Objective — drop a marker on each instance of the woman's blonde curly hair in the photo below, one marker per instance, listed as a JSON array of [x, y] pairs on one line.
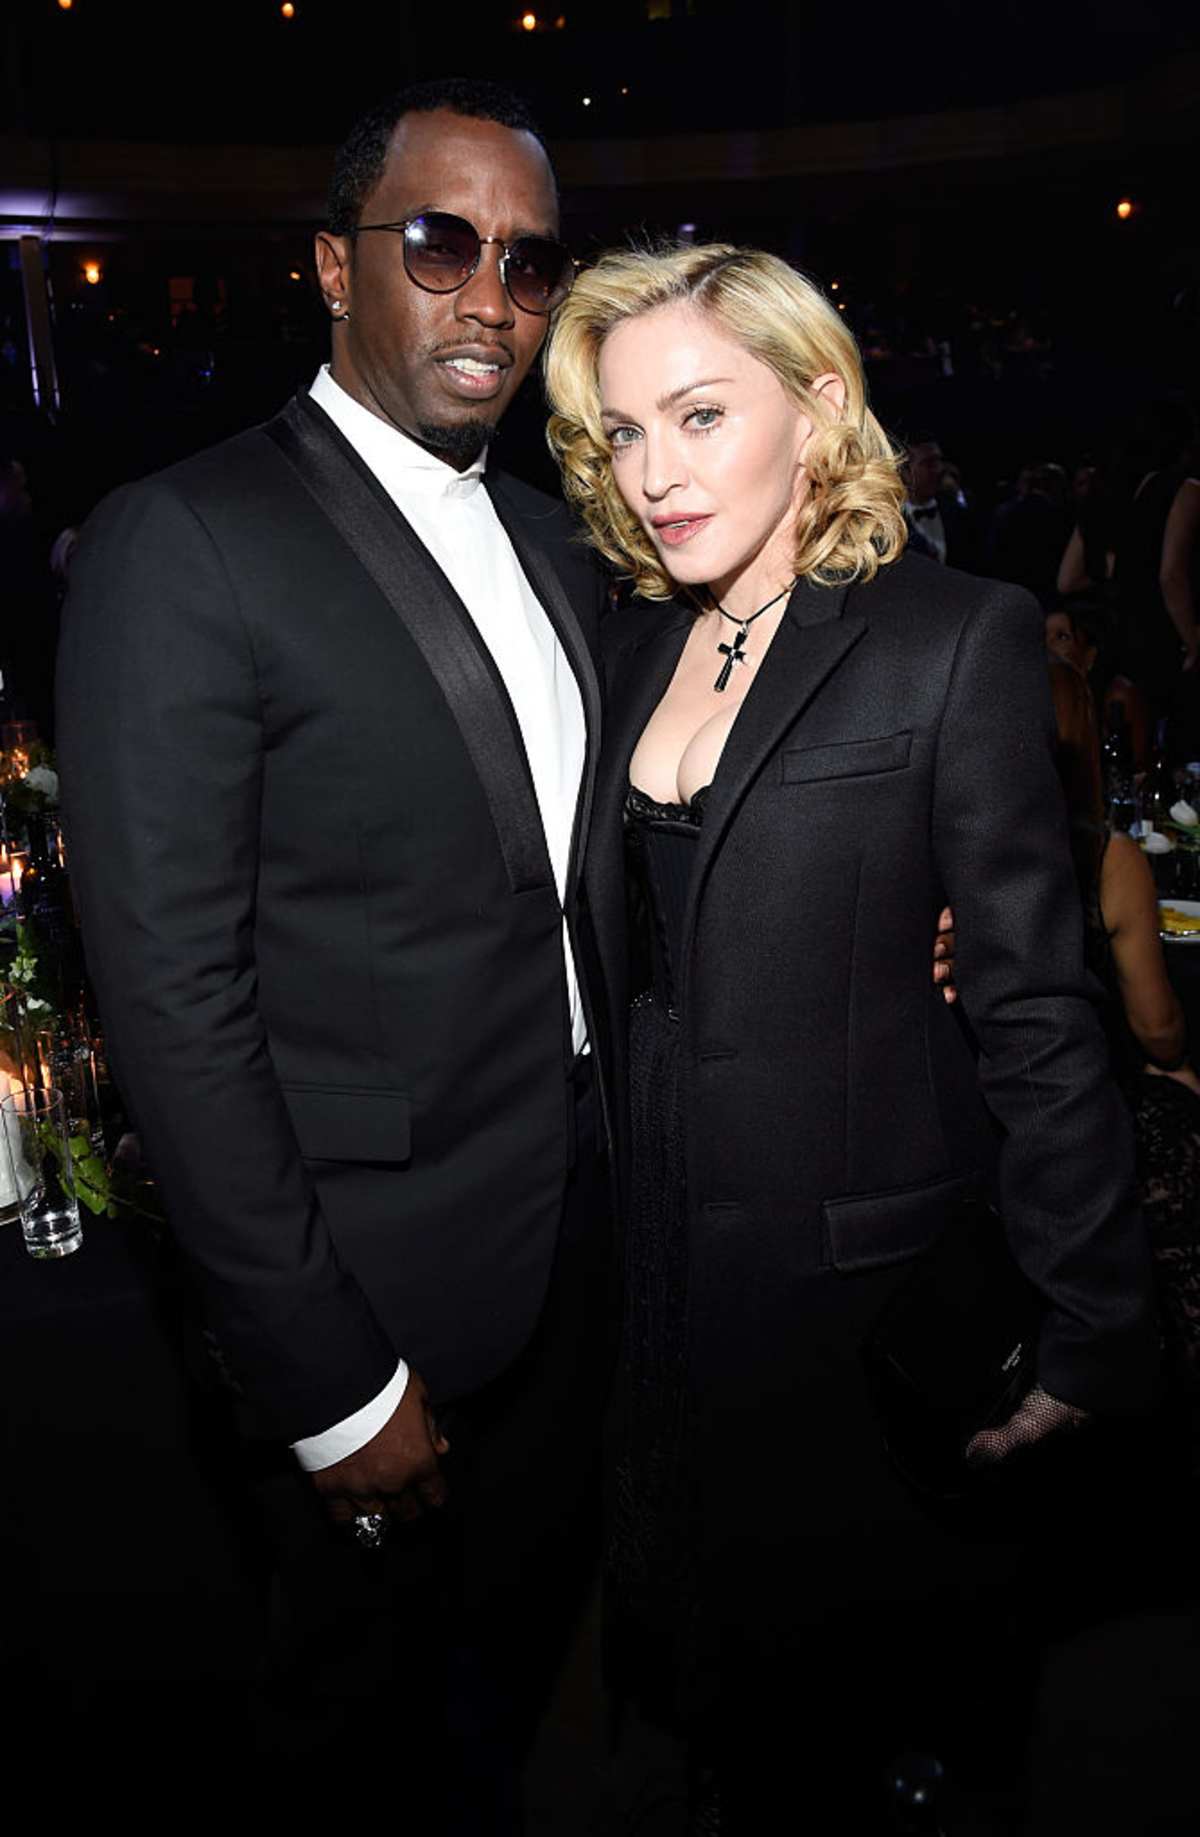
[[849, 523]]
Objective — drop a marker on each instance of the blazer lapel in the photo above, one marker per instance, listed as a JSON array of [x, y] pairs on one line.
[[404, 571], [544, 580], [814, 636]]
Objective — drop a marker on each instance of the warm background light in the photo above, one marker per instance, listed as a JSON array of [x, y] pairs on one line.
[[1124, 209], [288, 10], [91, 273], [529, 21], [66, 5]]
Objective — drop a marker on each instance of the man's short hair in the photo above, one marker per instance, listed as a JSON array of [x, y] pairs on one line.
[[359, 162]]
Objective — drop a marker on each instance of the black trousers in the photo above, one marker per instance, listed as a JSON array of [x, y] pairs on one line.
[[436, 1652]]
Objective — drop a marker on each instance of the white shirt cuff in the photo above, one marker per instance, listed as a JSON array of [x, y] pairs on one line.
[[353, 1432]]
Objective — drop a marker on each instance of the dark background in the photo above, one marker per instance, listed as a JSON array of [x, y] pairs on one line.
[[955, 168]]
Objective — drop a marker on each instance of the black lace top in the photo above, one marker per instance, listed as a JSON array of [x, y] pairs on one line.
[[660, 839]]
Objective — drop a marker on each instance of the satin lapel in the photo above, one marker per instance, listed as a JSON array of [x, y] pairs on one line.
[[436, 620], [542, 577], [811, 642], [638, 686]]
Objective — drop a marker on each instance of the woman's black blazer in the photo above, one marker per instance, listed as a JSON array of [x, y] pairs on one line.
[[894, 752]]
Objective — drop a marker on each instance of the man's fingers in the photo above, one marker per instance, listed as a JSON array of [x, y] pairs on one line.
[[339, 1508], [946, 919], [344, 1508], [433, 1491]]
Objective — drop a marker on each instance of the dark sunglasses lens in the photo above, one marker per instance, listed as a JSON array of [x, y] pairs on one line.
[[539, 273], [440, 251]]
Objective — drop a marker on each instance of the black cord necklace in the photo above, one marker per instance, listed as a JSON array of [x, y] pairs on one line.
[[734, 653]]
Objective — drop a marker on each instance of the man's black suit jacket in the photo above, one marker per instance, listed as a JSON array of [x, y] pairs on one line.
[[319, 913], [894, 752]]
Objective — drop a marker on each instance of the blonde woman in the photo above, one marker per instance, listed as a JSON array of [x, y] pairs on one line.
[[813, 741]]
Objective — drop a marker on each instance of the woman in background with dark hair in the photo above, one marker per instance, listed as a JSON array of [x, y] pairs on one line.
[[1146, 1032], [1157, 571]]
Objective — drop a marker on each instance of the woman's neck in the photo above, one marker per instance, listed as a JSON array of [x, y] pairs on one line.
[[743, 597], [757, 582]]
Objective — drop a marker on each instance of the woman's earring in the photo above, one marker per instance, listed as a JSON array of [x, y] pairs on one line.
[[338, 315]]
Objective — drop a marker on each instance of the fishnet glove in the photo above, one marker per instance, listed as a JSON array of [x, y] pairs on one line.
[[1038, 1416]]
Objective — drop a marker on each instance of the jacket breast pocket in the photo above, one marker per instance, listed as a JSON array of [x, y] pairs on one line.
[[337, 1123], [852, 759]]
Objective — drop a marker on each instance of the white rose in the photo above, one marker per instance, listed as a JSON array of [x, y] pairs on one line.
[[1184, 815], [42, 779], [1155, 843]]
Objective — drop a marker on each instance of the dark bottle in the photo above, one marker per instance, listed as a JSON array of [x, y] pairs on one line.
[[1117, 767], [1158, 789], [44, 902]]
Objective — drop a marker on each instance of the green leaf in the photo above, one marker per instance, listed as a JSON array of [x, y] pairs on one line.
[[90, 1178]]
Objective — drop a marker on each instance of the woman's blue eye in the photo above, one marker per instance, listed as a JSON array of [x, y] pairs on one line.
[[622, 436], [704, 418]]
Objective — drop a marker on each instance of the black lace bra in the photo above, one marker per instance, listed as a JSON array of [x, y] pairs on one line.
[[640, 807]]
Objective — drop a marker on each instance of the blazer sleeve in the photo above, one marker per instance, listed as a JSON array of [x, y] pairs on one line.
[[1066, 1173], [161, 750]]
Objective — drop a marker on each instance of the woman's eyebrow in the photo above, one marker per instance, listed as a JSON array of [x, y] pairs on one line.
[[669, 400], [676, 395]]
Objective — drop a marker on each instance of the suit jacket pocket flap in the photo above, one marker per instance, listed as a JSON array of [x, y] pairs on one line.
[[853, 759], [871, 1230], [337, 1124]]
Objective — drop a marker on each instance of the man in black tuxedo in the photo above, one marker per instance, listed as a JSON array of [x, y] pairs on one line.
[[328, 732], [939, 526]]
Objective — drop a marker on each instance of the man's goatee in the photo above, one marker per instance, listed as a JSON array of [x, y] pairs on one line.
[[459, 444]]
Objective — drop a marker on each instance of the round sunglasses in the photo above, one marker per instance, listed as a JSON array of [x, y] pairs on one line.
[[441, 253]]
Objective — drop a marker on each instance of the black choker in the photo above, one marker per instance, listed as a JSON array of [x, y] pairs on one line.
[[733, 653]]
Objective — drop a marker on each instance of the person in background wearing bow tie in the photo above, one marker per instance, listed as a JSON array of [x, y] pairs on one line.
[[937, 522]]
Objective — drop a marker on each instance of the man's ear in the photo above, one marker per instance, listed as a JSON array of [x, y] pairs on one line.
[[334, 268]]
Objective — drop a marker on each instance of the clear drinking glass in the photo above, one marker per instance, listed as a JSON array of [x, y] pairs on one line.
[[38, 1153], [62, 1057]]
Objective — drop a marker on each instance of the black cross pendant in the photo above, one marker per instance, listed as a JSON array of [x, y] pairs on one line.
[[732, 654]]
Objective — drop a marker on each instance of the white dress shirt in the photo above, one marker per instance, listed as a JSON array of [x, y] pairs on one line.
[[452, 514]]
